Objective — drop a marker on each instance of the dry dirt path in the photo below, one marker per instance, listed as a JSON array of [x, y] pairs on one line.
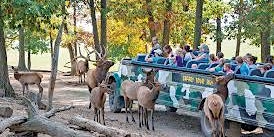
[[68, 92]]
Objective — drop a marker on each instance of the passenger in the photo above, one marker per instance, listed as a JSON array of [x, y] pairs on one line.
[[155, 45], [154, 59], [264, 68], [179, 57], [220, 55], [241, 67], [219, 67], [188, 56], [246, 56], [203, 55], [270, 59], [169, 55], [227, 68], [194, 66], [212, 59], [251, 60]]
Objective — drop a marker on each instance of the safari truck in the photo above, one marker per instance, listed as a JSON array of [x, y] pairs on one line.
[[250, 101]]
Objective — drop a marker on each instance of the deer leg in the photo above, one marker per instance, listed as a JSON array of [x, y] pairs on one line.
[[89, 89], [222, 121], [126, 106], [212, 123], [84, 78], [146, 116], [89, 105], [152, 118], [99, 116], [95, 114], [40, 89], [27, 87], [130, 109], [142, 114], [139, 115], [103, 115], [23, 86]]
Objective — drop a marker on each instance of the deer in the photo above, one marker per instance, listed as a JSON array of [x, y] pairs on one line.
[[98, 99], [26, 78], [99, 73], [146, 100], [213, 105], [129, 90], [82, 66]]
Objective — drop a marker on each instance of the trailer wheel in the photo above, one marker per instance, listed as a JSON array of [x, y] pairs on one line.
[[247, 127], [205, 125], [170, 109]]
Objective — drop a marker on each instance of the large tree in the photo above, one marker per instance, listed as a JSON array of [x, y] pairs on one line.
[[198, 23], [166, 30], [4, 75]]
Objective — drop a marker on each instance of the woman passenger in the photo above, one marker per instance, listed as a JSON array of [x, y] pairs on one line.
[[219, 67], [241, 67], [203, 55]]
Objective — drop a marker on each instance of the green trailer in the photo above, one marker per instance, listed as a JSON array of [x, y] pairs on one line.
[[250, 101]]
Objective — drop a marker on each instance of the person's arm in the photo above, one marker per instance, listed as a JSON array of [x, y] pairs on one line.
[[200, 57]]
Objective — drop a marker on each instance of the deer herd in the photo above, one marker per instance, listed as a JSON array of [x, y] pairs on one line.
[[145, 92]]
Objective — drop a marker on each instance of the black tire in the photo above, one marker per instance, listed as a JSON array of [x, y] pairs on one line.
[[247, 127], [205, 125], [171, 109], [268, 133], [114, 103]]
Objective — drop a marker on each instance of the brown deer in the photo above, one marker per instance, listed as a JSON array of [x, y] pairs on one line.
[[98, 99], [146, 100], [213, 106], [99, 73], [26, 78], [129, 90], [82, 66]]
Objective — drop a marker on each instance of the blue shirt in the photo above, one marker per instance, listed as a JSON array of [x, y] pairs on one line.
[[243, 69]]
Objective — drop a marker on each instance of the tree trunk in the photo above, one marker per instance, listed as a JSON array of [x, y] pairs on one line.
[[75, 32], [51, 44], [239, 33], [71, 54], [265, 47], [29, 59], [198, 23], [54, 64], [72, 62], [167, 22], [104, 25], [22, 63], [265, 37], [4, 74], [219, 35], [94, 26], [150, 19], [239, 37]]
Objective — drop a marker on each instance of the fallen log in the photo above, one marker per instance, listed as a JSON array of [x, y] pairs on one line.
[[53, 111], [94, 126], [6, 123], [39, 123]]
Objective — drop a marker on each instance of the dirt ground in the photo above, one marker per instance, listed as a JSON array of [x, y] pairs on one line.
[[69, 92]]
